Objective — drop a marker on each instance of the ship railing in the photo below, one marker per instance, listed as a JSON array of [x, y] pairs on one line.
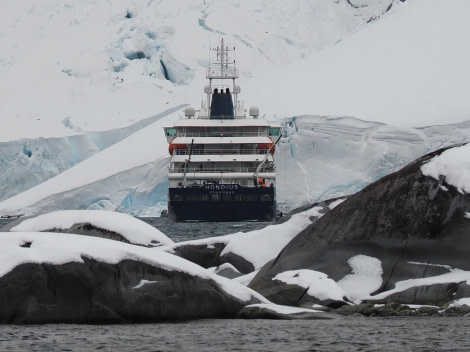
[[220, 133], [196, 151], [217, 73], [235, 117], [202, 169], [203, 183]]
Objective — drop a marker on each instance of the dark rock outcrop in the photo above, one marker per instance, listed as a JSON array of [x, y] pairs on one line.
[[414, 224], [396, 309], [97, 292], [208, 256]]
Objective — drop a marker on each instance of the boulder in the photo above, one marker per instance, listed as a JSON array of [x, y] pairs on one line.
[[64, 278], [209, 255], [415, 225], [97, 292], [96, 223]]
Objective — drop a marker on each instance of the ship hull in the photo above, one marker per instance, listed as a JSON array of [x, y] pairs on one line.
[[215, 205]]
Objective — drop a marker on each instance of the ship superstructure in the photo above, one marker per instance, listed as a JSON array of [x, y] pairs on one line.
[[222, 162]]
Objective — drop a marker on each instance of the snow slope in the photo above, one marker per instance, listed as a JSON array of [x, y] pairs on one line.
[[76, 66], [88, 66], [408, 69]]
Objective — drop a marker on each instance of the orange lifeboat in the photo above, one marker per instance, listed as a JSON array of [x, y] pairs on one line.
[[172, 147], [264, 148]]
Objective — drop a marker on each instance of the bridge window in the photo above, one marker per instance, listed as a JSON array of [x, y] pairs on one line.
[[170, 132], [275, 131]]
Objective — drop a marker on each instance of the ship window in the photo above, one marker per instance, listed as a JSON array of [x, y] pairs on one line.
[[227, 197], [274, 131], [216, 197], [170, 132], [237, 197]]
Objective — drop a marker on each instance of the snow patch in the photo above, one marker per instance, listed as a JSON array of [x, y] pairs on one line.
[[283, 309], [366, 277], [448, 267], [252, 246], [142, 283], [318, 284], [337, 202], [454, 165], [461, 302]]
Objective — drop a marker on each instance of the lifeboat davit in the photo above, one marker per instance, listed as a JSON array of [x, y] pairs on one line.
[[172, 147]]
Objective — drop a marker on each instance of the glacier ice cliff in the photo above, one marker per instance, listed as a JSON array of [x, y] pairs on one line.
[[318, 158]]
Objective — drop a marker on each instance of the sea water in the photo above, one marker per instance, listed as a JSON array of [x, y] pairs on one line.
[[339, 334], [185, 231]]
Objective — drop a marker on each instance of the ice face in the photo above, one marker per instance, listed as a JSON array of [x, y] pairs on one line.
[[318, 158]]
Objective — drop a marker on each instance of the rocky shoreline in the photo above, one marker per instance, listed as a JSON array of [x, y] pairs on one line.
[[393, 309], [398, 248]]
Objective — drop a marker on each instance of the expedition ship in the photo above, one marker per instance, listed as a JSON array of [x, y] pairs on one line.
[[222, 162]]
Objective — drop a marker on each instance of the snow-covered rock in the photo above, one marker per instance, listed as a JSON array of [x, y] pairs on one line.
[[67, 278], [403, 239], [248, 252], [275, 311], [106, 224]]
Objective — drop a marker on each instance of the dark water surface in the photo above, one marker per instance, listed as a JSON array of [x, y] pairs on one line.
[[342, 334], [184, 231]]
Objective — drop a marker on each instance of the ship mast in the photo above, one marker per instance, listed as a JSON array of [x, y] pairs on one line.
[[223, 68]]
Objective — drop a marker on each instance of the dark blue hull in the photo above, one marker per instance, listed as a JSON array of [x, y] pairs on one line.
[[221, 203]]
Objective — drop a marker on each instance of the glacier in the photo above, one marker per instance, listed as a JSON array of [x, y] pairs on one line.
[[101, 65], [317, 158]]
